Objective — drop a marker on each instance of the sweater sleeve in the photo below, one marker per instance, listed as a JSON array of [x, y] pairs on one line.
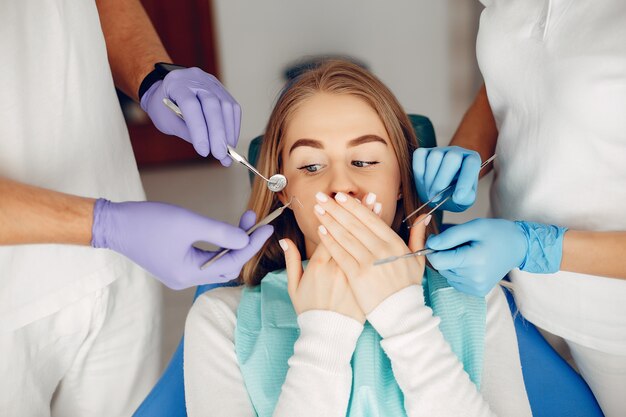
[[213, 382], [318, 380], [430, 375]]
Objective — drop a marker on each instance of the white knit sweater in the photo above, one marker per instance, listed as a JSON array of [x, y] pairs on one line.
[[318, 381]]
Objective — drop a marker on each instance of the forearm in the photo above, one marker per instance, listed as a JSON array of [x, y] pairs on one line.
[[35, 215], [427, 371], [133, 46], [477, 131], [595, 253], [320, 376]]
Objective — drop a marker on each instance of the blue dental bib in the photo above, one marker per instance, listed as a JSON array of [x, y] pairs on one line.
[[267, 330]]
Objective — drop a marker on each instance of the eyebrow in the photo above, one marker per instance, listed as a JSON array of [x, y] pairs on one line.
[[314, 143]]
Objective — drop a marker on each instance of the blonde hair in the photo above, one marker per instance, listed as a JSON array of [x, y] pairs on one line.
[[336, 77]]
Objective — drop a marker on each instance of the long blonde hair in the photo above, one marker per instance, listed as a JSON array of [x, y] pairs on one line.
[[336, 77]]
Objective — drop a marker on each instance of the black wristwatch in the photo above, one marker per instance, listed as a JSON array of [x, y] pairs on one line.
[[161, 69]]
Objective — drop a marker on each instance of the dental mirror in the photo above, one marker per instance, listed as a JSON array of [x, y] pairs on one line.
[[275, 183]]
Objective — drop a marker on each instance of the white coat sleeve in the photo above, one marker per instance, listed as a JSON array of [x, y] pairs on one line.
[[430, 375], [318, 380]]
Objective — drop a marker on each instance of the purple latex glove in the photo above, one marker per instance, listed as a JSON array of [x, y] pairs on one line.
[[212, 116], [159, 237]]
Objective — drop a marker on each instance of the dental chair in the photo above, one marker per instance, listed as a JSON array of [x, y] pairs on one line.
[[554, 388]]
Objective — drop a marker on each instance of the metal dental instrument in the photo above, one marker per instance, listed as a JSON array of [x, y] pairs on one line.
[[421, 252], [426, 251], [275, 183], [266, 220], [483, 165]]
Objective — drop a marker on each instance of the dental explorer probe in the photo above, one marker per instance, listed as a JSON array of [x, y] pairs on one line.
[[483, 165], [421, 252], [266, 220], [426, 251], [275, 183]]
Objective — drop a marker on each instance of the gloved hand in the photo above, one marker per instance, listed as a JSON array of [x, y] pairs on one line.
[[476, 255], [436, 168], [212, 116], [158, 237]]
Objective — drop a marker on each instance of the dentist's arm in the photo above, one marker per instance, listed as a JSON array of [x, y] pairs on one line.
[[212, 116], [474, 141], [35, 215], [476, 255], [477, 130], [157, 236]]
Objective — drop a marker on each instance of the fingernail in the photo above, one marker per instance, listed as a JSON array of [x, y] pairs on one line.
[[283, 244], [319, 209], [323, 230], [428, 219], [371, 197], [378, 208], [321, 197], [459, 193], [341, 197]]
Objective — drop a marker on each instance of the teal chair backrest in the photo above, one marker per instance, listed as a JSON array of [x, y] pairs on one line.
[[422, 127]]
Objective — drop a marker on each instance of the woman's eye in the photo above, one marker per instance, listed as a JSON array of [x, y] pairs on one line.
[[311, 168], [364, 164]]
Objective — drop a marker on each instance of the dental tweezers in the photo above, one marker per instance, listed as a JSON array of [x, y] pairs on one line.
[[266, 220], [439, 194]]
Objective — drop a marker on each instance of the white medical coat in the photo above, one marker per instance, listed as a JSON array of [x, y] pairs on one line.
[[61, 128], [555, 73]]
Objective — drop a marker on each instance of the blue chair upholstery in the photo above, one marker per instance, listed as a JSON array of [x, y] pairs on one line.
[[554, 388], [167, 398]]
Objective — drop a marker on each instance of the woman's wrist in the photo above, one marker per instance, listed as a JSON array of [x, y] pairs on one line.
[[327, 338], [396, 314]]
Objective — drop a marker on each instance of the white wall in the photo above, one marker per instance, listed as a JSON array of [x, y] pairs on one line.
[[404, 42]]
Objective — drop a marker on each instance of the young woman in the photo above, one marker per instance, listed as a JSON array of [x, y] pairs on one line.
[[339, 336]]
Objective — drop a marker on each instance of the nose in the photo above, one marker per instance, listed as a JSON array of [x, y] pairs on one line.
[[342, 182]]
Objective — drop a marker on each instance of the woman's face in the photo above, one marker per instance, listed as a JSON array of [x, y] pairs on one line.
[[337, 143]]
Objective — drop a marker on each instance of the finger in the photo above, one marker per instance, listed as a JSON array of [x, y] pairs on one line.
[[237, 122], [320, 255], [419, 164], [234, 117], [456, 235], [194, 119], [229, 122], [466, 289], [218, 233], [347, 239], [451, 259], [247, 220], [369, 200], [455, 280], [417, 235], [237, 258], [465, 189], [433, 161], [293, 264], [448, 170], [344, 259], [360, 221], [212, 110]]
